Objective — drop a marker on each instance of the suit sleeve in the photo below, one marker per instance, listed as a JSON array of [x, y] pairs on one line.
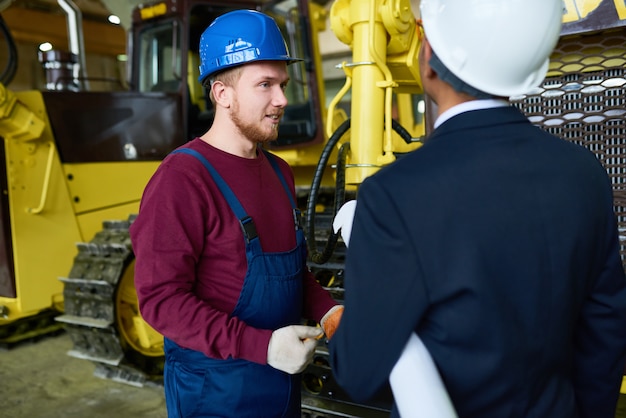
[[384, 296], [601, 335]]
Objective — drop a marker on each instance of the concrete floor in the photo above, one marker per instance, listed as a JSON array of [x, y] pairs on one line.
[[39, 380]]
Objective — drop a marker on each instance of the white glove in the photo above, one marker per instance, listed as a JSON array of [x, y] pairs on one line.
[[343, 220], [291, 348]]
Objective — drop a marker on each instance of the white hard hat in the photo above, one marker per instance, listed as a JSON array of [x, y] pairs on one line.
[[501, 47]]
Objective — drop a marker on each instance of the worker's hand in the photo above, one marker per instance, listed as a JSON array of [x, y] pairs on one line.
[[330, 321], [291, 348]]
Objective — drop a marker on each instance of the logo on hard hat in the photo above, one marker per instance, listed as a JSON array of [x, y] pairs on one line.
[[237, 45]]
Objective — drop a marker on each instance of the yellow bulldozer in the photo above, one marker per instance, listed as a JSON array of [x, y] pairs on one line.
[[75, 162]]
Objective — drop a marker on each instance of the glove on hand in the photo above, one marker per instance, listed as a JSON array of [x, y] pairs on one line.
[[291, 348], [331, 320]]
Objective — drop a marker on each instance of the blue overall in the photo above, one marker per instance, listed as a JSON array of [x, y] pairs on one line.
[[271, 298]]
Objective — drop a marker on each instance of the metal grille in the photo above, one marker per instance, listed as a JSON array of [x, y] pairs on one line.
[[583, 100]]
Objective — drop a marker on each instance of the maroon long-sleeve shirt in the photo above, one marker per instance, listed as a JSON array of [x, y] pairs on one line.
[[190, 252]]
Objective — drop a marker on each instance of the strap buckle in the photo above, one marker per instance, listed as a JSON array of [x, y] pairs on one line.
[[297, 218], [249, 228]]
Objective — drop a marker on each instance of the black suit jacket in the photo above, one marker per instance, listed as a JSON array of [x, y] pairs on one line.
[[497, 243]]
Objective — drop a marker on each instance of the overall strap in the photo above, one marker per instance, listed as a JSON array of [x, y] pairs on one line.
[[274, 164], [297, 217], [245, 221]]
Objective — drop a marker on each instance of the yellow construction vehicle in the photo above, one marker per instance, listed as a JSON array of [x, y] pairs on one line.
[[583, 97], [76, 162]]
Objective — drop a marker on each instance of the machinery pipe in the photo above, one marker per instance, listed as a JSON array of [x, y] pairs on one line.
[[76, 40]]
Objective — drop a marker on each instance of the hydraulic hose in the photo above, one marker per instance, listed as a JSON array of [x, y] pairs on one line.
[[404, 134], [11, 68], [314, 254], [340, 188], [340, 197]]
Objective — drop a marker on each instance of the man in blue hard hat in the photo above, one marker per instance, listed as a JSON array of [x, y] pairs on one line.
[[220, 253]]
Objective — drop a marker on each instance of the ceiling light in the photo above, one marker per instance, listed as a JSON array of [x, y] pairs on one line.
[[114, 19]]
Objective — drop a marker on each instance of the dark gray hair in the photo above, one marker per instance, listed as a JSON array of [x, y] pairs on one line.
[[457, 84]]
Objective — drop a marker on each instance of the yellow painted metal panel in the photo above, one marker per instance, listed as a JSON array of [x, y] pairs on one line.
[[53, 206], [43, 226], [101, 185], [91, 222]]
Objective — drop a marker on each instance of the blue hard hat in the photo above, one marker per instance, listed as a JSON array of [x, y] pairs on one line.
[[239, 37]]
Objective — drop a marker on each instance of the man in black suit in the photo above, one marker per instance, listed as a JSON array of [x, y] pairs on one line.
[[495, 242]]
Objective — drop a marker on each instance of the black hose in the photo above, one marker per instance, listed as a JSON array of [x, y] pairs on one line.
[[340, 183], [316, 256], [404, 134], [340, 188], [11, 68], [340, 197]]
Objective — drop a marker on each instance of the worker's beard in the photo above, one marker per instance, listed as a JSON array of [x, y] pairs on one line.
[[253, 130]]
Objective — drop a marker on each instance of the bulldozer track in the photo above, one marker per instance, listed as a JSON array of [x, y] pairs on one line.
[[30, 329], [90, 308]]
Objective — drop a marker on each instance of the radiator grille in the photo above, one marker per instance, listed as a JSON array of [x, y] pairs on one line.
[[583, 100]]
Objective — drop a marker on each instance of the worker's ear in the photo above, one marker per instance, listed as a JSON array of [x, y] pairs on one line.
[[427, 49], [426, 53], [220, 94]]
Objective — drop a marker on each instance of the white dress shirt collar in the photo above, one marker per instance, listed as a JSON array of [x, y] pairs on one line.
[[467, 106]]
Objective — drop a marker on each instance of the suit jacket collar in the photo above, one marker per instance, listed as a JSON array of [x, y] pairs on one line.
[[468, 106], [479, 119]]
